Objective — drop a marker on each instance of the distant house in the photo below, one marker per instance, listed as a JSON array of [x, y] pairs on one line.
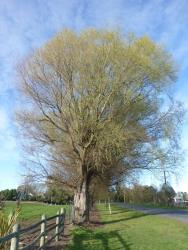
[[181, 199]]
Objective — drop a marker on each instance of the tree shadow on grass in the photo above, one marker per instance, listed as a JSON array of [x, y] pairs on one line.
[[116, 212], [135, 215], [86, 239], [119, 211]]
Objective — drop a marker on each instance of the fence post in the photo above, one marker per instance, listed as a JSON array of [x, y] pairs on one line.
[[43, 230], [57, 226], [15, 241], [70, 210], [73, 213], [109, 208], [62, 211]]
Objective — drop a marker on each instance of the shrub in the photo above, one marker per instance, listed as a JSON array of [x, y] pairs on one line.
[[6, 224]]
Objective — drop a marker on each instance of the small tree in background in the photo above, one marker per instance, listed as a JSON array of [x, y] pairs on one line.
[[56, 194], [166, 194]]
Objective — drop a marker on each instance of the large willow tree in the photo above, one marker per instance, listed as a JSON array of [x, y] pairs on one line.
[[96, 107]]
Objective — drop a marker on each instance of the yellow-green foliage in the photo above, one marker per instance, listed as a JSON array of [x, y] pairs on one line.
[[96, 105]]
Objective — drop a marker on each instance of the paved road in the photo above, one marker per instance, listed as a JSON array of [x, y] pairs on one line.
[[178, 214]]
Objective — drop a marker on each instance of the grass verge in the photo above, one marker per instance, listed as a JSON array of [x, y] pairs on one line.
[[150, 205], [130, 230]]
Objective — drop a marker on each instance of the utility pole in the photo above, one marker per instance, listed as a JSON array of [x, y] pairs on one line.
[[164, 177]]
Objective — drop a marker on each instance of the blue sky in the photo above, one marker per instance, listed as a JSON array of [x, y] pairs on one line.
[[28, 24]]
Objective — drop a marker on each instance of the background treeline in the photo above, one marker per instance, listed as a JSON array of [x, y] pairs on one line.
[[52, 195], [9, 194], [137, 194], [144, 194]]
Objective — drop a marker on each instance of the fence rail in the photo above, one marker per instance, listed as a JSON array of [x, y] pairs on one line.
[[42, 237]]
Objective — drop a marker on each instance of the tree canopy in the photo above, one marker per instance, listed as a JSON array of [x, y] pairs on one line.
[[96, 108]]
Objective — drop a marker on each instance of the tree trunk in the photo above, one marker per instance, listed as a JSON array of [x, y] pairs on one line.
[[81, 203]]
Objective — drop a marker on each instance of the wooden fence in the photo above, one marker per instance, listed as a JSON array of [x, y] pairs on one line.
[[42, 239]]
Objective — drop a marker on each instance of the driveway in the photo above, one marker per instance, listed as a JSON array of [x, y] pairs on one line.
[[178, 214]]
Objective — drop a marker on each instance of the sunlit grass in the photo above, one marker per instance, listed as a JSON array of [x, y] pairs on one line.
[[32, 211], [131, 230]]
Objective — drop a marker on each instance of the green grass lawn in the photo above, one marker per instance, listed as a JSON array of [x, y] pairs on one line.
[[33, 211], [131, 230]]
